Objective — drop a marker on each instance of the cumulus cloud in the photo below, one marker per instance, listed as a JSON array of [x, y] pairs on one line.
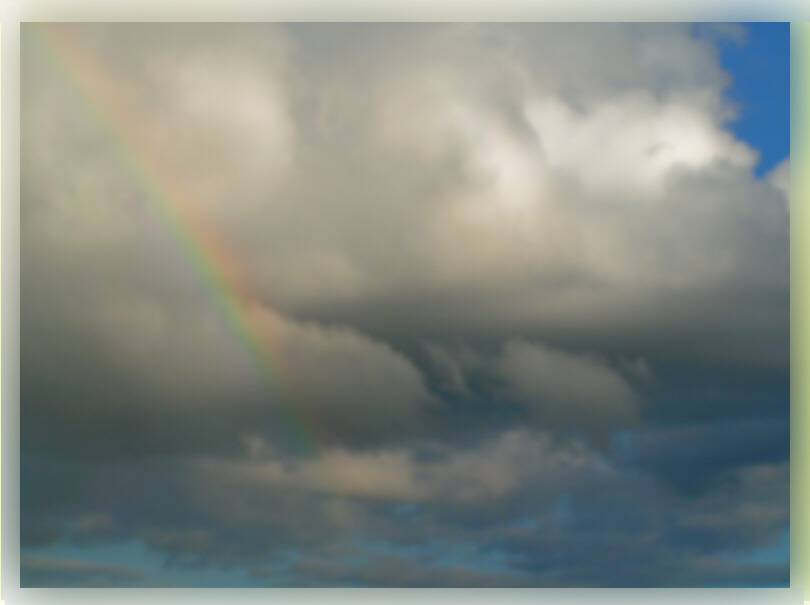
[[629, 146], [484, 261], [525, 191]]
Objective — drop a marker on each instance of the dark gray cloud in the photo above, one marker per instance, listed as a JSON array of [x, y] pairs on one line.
[[539, 518], [38, 571], [693, 457], [519, 290]]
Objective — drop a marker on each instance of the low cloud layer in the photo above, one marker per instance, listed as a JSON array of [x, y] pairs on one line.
[[515, 290], [559, 387]]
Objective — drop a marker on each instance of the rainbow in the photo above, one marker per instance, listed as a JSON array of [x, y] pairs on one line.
[[256, 328]]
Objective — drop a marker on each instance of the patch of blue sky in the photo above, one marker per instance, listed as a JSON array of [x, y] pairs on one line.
[[778, 554], [406, 509], [382, 547], [493, 561], [759, 65], [528, 523], [771, 555], [438, 554]]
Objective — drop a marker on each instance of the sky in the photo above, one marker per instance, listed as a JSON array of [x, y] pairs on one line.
[[760, 67], [405, 305]]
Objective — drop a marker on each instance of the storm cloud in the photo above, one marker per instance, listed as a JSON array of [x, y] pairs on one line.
[[525, 291]]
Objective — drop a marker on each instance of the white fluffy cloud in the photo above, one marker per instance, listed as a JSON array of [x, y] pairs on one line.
[[628, 146]]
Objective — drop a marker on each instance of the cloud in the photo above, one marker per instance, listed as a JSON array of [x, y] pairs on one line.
[[564, 510], [628, 147], [779, 177], [561, 388], [490, 470], [353, 384], [572, 544], [391, 571], [209, 104], [40, 571], [339, 384], [501, 229], [695, 458], [451, 372], [517, 286]]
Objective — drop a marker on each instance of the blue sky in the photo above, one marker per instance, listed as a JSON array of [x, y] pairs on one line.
[[760, 66]]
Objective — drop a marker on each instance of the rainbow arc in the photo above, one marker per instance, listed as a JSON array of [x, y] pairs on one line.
[[256, 327]]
